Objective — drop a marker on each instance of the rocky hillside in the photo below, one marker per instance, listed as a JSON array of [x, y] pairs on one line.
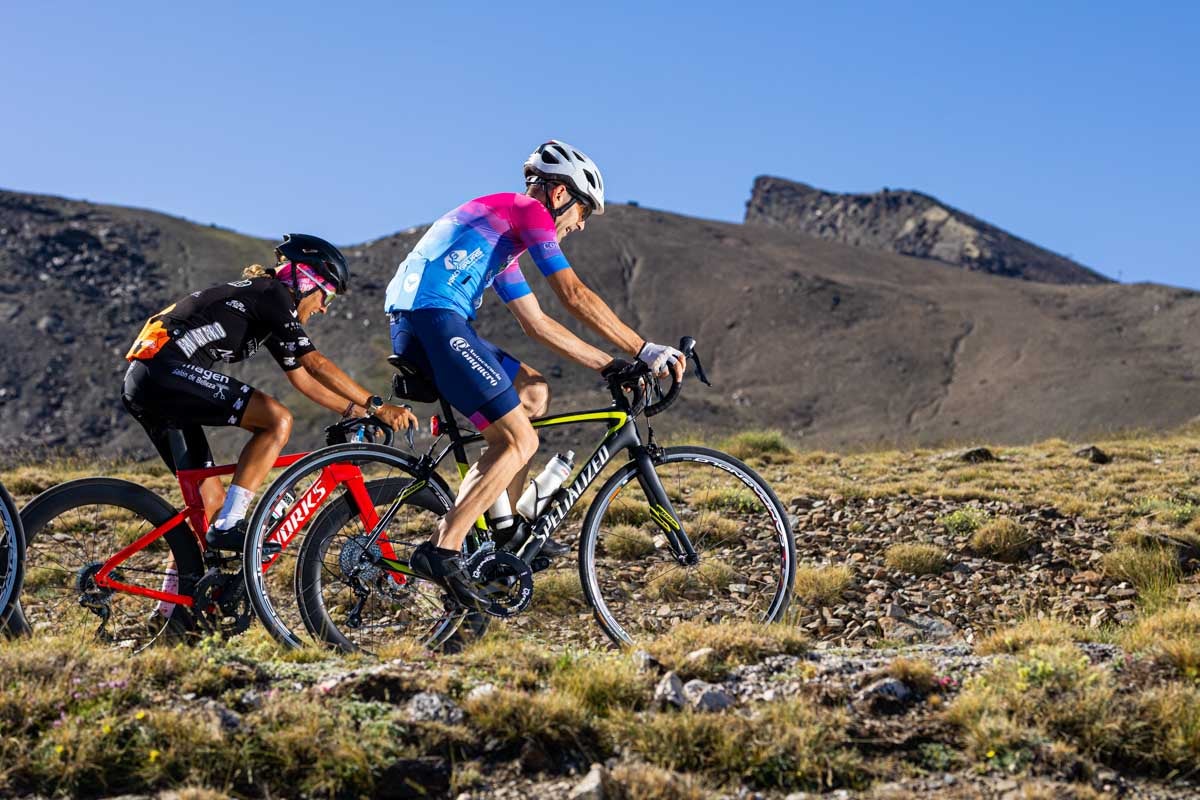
[[834, 344], [912, 224]]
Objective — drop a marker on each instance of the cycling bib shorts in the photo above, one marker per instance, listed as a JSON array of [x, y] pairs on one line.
[[473, 374]]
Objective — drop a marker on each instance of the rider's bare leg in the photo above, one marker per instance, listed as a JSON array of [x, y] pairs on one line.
[[271, 425], [534, 391], [512, 442]]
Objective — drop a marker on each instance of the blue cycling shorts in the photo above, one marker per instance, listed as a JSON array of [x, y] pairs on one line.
[[469, 371]]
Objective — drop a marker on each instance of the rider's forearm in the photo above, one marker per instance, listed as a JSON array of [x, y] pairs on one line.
[[308, 386], [587, 307], [550, 333], [331, 377]]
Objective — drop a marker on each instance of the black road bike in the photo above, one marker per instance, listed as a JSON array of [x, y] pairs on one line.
[[676, 533], [12, 557]]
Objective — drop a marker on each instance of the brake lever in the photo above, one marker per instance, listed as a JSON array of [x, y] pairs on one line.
[[699, 368], [411, 437]]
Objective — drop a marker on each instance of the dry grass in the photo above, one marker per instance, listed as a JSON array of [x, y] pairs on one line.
[[627, 543], [1002, 540], [916, 559], [963, 521], [821, 586], [1030, 633], [753, 444], [789, 745], [917, 674], [710, 527], [669, 581], [647, 782], [1153, 571], [727, 499], [622, 511], [554, 722], [731, 643], [603, 682], [1172, 637], [558, 592]]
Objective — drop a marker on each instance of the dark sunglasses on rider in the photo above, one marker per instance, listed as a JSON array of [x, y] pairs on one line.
[[585, 208]]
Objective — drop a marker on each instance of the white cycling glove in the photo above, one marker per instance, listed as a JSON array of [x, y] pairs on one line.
[[658, 356]]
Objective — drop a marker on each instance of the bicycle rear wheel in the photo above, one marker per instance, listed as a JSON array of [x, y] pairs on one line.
[[739, 529], [345, 601], [72, 529], [12, 556]]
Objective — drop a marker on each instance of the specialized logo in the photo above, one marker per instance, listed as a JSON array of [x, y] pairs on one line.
[[557, 512], [300, 513], [193, 340], [461, 346]]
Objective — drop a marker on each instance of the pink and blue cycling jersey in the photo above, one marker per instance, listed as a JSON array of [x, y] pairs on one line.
[[473, 247]]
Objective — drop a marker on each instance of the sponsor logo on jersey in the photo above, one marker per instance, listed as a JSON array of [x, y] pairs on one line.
[[460, 260], [303, 341], [236, 305], [239, 284], [411, 281], [193, 340], [477, 364]]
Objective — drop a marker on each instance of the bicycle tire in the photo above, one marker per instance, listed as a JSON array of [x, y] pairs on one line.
[[316, 618], [623, 553], [12, 557], [128, 504]]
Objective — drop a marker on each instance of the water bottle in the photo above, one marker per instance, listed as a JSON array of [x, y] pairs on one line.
[[500, 513], [535, 497]]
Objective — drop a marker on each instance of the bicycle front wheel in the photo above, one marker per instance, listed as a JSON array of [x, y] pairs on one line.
[[342, 597], [747, 556], [12, 556]]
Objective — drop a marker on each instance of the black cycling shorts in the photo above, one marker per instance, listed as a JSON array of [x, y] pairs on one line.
[[172, 399]]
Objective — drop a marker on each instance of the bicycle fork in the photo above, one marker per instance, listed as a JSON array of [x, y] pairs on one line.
[[661, 511]]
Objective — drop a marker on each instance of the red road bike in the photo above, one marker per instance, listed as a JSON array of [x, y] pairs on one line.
[[115, 553]]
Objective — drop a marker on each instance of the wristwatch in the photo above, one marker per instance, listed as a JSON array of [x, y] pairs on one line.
[[374, 403]]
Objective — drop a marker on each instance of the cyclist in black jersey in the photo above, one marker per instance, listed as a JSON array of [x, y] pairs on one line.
[[173, 389]]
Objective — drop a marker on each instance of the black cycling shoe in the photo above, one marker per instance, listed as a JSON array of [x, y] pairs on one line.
[[447, 572], [553, 549], [232, 539]]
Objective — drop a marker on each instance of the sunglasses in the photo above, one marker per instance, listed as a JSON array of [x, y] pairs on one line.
[[585, 207], [327, 294]]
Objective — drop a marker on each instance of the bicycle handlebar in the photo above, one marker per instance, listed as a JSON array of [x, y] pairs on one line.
[[348, 430], [641, 386]]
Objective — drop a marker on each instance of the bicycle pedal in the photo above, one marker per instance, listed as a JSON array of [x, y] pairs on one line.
[[539, 563]]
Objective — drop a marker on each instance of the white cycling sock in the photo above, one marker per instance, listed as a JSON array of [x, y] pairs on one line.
[[237, 501], [170, 583]]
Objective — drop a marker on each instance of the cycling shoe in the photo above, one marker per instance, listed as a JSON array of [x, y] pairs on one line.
[[449, 573]]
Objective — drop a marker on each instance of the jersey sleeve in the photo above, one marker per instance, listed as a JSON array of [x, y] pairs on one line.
[[287, 341], [510, 283], [535, 227]]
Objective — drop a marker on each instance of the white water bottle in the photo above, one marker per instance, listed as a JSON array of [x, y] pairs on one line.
[[500, 513], [537, 494]]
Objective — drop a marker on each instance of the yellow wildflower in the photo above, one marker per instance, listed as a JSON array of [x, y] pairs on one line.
[[140, 715], [154, 754], [991, 753], [106, 728]]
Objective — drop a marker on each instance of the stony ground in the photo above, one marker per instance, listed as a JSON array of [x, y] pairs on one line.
[[1023, 627]]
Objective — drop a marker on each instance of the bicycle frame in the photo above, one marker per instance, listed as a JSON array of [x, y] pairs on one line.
[[193, 514]]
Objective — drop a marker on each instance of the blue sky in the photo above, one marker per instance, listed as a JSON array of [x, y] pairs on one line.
[[1074, 125]]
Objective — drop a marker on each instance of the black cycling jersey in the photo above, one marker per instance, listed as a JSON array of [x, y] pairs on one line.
[[229, 323]]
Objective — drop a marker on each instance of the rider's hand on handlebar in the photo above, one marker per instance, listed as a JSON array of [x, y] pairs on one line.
[[397, 417], [658, 357], [621, 370]]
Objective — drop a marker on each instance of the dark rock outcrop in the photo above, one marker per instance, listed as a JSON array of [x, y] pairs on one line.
[[911, 224]]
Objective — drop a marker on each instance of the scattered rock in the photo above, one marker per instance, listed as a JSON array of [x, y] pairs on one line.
[[592, 785], [669, 692], [1094, 454], [433, 707], [699, 656], [704, 696], [481, 692], [976, 455], [885, 696]]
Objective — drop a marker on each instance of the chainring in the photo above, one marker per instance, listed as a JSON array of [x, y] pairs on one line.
[[505, 579], [221, 603]]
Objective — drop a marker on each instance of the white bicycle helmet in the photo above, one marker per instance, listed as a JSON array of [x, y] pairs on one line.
[[559, 162]]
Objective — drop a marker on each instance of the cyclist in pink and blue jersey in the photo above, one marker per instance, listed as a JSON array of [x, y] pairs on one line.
[[433, 298]]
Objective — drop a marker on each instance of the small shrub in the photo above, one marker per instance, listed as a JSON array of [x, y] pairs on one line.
[[821, 586], [556, 722], [918, 675], [1001, 540], [916, 559], [1176, 513], [733, 643], [749, 444], [963, 521], [709, 528], [647, 782], [1153, 571], [727, 499], [1163, 730], [627, 512]]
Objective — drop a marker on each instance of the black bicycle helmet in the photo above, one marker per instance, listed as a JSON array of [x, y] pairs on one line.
[[320, 255]]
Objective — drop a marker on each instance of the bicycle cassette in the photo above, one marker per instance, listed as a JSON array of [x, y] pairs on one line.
[[221, 603], [505, 579]]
